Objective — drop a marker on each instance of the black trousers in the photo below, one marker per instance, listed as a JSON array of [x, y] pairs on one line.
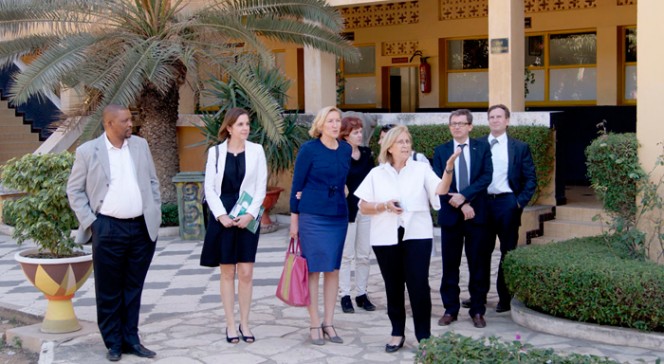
[[504, 221], [122, 252], [453, 240], [407, 263]]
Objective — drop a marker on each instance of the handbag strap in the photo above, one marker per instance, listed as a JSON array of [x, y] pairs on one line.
[[294, 248]]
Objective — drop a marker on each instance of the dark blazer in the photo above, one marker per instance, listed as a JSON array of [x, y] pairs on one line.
[[481, 172], [320, 174], [521, 173]]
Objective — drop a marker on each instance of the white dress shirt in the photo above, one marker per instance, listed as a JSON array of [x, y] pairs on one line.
[[500, 159], [123, 199], [415, 189]]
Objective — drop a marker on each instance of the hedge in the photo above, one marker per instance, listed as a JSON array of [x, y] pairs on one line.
[[587, 280], [540, 139]]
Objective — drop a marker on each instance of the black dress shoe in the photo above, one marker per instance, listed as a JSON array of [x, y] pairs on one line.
[[347, 305], [478, 321], [502, 308], [140, 351], [465, 303], [114, 355], [393, 348], [447, 319], [363, 301]]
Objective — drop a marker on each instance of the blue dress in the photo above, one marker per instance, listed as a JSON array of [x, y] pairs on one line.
[[320, 174]]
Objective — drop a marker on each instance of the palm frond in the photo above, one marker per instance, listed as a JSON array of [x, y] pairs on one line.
[[293, 31], [315, 11], [11, 50], [45, 72], [268, 112]]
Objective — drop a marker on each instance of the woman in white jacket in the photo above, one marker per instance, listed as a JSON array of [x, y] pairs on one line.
[[234, 167]]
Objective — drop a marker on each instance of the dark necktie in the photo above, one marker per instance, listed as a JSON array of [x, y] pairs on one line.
[[463, 171], [494, 142]]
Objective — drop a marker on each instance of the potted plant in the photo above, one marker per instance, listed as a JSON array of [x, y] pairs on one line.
[[56, 266], [280, 154]]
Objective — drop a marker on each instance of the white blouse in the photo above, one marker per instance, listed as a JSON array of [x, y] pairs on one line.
[[415, 189]]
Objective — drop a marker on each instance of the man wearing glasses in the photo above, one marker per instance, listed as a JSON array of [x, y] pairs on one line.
[[462, 218]]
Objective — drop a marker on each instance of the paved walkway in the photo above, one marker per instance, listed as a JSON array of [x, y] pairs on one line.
[[182, 319]]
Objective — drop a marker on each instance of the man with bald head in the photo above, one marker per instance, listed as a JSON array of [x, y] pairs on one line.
[[114, 191]]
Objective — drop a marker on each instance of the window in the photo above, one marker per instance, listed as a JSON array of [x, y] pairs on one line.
[[467, 70], [629, 66], [359, 79], [563, 67]]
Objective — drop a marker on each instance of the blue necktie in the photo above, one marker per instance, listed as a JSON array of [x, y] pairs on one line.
[[463, 171], [494, 142]]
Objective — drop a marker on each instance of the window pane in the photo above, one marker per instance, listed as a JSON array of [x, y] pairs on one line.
[[360, 90], [569, 49], [468, 87], [467, 54], [630, 83], [366, 65], [630, 45], [536, 89], [535, 51], [573, 84]]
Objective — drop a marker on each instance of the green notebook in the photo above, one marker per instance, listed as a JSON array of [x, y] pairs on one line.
[[240, 209]]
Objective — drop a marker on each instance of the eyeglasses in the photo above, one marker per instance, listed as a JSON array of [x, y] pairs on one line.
[[458, 125]]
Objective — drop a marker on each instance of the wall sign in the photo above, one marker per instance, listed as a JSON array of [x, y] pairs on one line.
[[499, 45]]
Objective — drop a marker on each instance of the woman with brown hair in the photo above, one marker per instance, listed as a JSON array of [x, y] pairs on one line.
[[233, 167]]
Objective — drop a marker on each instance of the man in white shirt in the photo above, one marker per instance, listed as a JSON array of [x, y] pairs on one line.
[[114, 191], [512, 186]]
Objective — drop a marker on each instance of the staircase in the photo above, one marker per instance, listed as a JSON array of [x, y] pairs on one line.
[[16, 138], [575, 219]]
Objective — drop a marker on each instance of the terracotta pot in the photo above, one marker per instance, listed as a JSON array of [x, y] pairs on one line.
[[271, 197], [57, 279]]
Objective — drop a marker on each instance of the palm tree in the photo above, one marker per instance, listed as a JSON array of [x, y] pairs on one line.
[[139, 52]]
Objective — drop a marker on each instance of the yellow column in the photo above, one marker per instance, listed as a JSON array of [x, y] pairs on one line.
[[607, 65], [506, 69], [319, 80], [650, 80]]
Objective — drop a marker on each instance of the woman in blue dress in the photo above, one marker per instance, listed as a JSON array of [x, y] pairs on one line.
[[319, 214]]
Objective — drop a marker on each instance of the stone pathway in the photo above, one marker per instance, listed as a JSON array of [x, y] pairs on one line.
[[183, 321]]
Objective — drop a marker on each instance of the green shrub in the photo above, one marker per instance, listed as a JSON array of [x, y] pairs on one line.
[[43, 214], [587, 280], [614, 171], [540, 139], [169, 214], [451, 348], [8, 215]]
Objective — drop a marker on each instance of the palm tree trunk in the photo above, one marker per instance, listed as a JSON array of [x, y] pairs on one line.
[[158, 113]]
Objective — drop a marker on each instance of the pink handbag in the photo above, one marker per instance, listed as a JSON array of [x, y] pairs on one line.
[[293, 286]]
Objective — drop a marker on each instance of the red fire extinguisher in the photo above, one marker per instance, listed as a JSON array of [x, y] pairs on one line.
[[425, 72]]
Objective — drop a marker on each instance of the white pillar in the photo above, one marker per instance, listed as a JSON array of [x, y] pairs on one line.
[[650, 81], [506, 69], [320, 82]]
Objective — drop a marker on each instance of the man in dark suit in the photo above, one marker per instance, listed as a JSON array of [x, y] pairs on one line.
[[512, 186], [462, 218], [114, 191]]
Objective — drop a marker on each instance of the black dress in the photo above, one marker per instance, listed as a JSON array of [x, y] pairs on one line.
[[229, 245]]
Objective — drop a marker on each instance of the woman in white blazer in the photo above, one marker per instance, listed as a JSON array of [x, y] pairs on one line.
[[234, 167]]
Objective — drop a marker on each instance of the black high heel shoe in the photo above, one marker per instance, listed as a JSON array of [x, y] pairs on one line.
[[231, 340], [246, 339], [394, 348], [333, 338]]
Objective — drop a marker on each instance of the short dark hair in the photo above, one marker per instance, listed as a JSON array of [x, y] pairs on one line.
[[499, 106], [463, 112], [385, 128]]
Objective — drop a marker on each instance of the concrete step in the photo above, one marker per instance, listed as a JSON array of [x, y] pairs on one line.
[[14, 129], [568, 229], [577, 213], [19, 137], [543, 240]]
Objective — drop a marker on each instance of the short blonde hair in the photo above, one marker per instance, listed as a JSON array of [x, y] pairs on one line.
[[317, 125], [388, 141]]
